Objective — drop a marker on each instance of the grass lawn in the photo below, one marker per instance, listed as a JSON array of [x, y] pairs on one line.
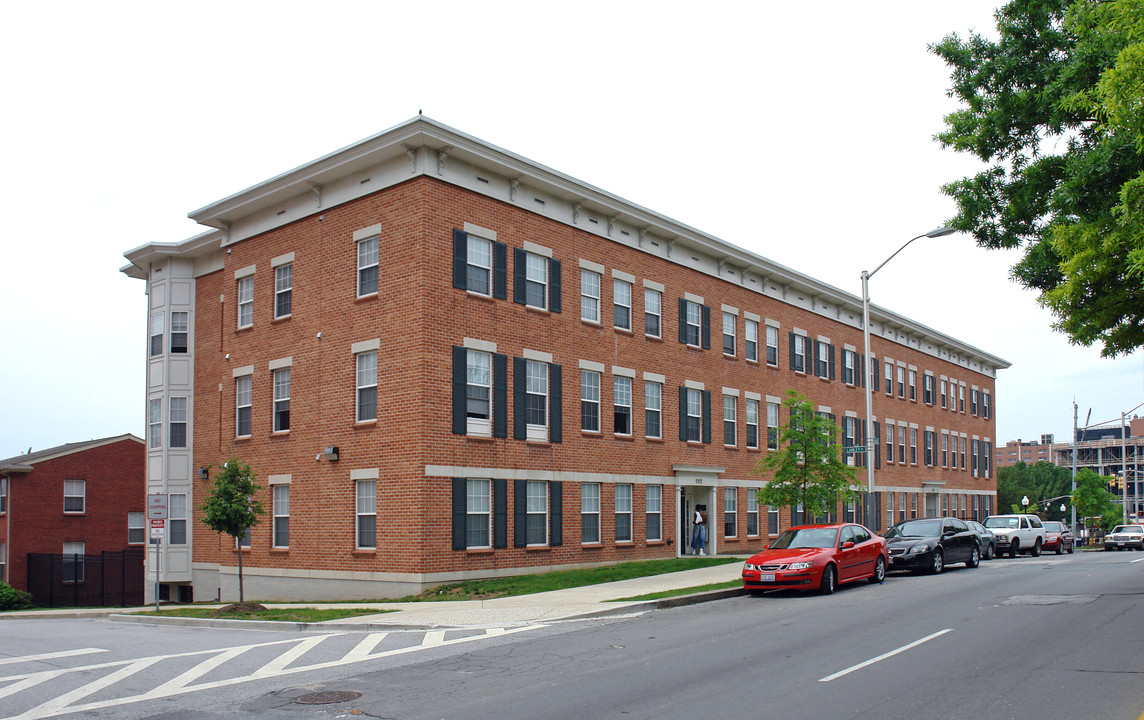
[[292, 614], [683, 591]]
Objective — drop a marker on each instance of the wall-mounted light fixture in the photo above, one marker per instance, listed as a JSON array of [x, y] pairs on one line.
[[331, 453]]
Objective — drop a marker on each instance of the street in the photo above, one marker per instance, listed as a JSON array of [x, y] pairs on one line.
[[1049, 637]]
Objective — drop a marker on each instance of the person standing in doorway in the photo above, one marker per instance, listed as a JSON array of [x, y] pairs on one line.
[[699, 533]]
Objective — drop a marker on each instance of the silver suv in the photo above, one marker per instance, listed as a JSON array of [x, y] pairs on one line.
[[1017, 533]]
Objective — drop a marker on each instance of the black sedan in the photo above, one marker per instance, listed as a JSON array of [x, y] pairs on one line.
[[929, 545]]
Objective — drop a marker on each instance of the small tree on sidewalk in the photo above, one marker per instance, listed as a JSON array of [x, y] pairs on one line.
[[807, 469], [231, 508]]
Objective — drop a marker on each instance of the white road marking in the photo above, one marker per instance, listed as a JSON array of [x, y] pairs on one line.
[[883, 656], [50, 656], [180, 681], [433, 638], [278, 664], [1136, 561], [60, 702], [365, 647]]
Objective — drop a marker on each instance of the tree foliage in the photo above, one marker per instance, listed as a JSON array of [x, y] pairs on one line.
[[231, 507], [1055, 107], [1092, 499], [1039, 482], [807, 468]]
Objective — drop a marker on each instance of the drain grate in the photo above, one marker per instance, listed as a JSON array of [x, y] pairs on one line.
[[326, 698]]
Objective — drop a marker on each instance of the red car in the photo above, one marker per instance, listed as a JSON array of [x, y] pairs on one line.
[[817, 557], [1058, 537]]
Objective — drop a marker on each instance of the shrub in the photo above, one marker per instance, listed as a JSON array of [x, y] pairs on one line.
[[13, 599]]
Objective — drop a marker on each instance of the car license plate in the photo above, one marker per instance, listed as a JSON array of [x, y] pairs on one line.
[[1120, 543], [766, 577]]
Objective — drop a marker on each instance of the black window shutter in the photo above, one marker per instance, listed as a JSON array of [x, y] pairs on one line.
[[460, 506], [500, 270], [876, 370], [817, 357], [518, 275], [859, 431], [707, 416], [682, 321], [519, 383], [683, 413], [554, 285], [500, 395], [862, 370], [793, 359], [556, 390], [460, 379], [500, 513], [460, 259], [877, 511], [519, 516], [830, 359], [706, 327], [556, 513], [877, 445]]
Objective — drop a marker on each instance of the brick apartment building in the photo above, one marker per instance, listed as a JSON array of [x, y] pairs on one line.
[[1026, 451], [445, 361], [78, 499]]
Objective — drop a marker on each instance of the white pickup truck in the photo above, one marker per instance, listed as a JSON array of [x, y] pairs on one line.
[[1017, 533]]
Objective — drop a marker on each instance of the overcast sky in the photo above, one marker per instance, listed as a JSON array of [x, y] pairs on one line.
[[802, 132]]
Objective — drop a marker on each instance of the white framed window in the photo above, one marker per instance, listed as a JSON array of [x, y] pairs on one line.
[[3, 495], [623, 512], [622, 405], [901, 381], [849, 437], [653, 409], [589, 295], [772, 345], [928, 447], [751, 340], [694, 319], [752, 513], [590, 513], [799, 354], [479, 265], [963, 466], [730, 512], [889, 509], [282, 400], [243, 400], [622, 304], [961, 398], [366, 514], [155, 423], [244, 541], [177, 435], [889, 377], [973, 395], [536, 400], [246, 301], [3, 563], [890, 441], [157, 334], [281, 530], [730, 420], [478, 392], [367, 266], [728, 333], [536, 281], [913, 446], [653, 313], [536, 512], [590, 400], [944, 449], [822, 359], [913, 385], [75, 496], [943, 394], [694, 429], [366, 386], [283, 290], [478, 513], [752, 423], [927, 389], [772, 426], [180, 325], [849, 374], [901, 444], [136, 535], [654, 512], [177, 519], [73, 566]]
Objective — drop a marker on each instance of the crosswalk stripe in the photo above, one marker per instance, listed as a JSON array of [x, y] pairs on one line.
[[363, 649], [180, 681], [61, 702], [433, 638], [278, 664], [50, 656]]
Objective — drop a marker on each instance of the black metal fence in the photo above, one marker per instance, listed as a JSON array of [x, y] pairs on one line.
[[111, 578]]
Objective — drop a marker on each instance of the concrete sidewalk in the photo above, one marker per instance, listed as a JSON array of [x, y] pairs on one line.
[[581, 602]]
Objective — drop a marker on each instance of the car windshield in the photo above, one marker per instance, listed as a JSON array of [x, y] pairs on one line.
[[915, 528], [1002, 522], [1054, 527], [806, 538], [1128, 529]]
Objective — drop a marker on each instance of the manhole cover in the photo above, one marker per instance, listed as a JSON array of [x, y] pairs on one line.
[[326, 698]]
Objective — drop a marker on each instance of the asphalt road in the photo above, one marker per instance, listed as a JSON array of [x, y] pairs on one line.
[[1044, 638]]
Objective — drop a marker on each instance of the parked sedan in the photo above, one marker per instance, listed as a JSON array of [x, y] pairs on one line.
[[1125, 536], [1058, 537], [985, 539], [817, 557], [928, 545]]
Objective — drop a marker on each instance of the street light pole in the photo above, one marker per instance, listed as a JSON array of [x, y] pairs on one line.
[[867, 381]]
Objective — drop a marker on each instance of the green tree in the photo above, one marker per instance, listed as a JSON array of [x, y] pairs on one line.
[[1039, 482], [231, 507], [1092, 498], [807, 468], [1055, 108]]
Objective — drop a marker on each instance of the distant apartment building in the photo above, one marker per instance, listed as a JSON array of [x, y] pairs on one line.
[[1025, 451]]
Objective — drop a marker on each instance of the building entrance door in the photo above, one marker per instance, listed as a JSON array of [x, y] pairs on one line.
[[932, 505], [690, 500]]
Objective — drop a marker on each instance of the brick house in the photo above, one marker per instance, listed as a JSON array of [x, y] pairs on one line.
[[445, 361], [78, 499]]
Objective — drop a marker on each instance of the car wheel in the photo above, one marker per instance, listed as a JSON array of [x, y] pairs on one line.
[[1014, 547], [974, 559], [938, 563], [1060, 548], [879, 575], [826, 587], [1036, 551], [989, 552], [1070, 549]]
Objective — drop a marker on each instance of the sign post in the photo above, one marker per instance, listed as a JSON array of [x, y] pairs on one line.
[[157, 514]]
